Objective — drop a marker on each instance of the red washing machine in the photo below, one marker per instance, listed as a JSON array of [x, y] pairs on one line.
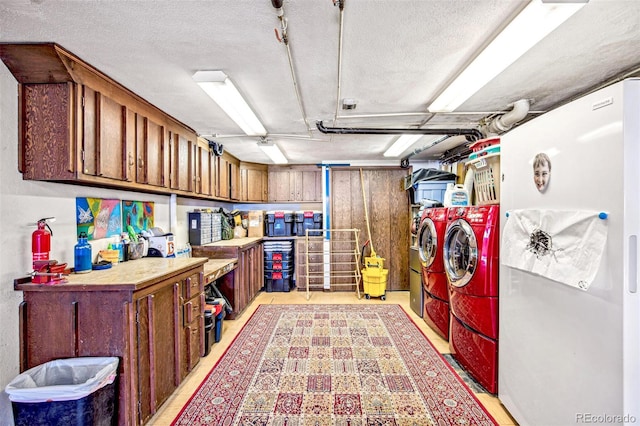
[[434, 279], [471, 261]]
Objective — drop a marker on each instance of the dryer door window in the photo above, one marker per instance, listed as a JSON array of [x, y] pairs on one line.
[[427, 242], [460, 253]]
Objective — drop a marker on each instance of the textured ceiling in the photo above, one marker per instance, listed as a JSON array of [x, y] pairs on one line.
[[396, 57]]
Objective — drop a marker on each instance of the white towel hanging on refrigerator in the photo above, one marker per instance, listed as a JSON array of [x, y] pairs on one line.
[[564, 246]]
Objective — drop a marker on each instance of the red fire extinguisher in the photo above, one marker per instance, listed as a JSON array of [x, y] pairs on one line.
[[41, 242]]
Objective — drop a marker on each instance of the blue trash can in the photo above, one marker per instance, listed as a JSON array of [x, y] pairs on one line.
[[73, 391]]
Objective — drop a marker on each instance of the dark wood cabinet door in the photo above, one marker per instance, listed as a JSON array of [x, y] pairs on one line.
[[223, 189], [234, 181], [182, 170], [141, 149], [155, 161], [104, 142], [204, 169], [90, 150], [156, 348], [112, 146]]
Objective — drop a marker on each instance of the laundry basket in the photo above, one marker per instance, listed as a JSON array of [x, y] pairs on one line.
[[487, 178]]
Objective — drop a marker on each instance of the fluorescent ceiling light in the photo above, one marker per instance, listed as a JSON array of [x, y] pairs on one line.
[[273, 152], [534, 23], [402, 143], [217, 85]]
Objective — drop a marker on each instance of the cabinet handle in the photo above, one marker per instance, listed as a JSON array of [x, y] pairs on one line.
[[131, 162], [140, 162]]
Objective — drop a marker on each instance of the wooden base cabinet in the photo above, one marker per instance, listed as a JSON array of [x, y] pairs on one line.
[[242, 285], [154, 323]]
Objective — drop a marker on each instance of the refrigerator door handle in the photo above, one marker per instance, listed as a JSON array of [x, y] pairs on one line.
[[633, 264]]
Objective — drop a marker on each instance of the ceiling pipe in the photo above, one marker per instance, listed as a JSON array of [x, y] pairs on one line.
[[404, 161], [277, 4], [340, 4], [471, 134], [506, 121]]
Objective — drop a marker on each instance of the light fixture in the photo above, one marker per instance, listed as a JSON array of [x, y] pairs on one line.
[[273, 152], [536, 21], [217, 85], [402, 143]]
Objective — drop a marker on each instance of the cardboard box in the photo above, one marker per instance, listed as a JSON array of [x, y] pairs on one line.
[[256, 223]]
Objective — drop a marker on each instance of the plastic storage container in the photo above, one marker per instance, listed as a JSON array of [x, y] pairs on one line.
[[486, 179], [74, 391], [431, 190], [279, 223], [278, 251], [277, 280], [278, 265], [308, 220]]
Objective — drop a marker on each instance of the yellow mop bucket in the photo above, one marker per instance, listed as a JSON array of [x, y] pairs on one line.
[[374, 276]]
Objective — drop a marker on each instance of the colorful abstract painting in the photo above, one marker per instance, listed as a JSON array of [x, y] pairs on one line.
[[98, 217], [138, 214]]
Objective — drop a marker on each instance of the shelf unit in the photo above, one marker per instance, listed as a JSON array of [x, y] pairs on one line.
[[332, 259]]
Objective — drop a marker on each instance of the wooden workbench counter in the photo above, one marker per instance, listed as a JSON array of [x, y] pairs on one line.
[[132, 275], [241, 286], [235, 242], [215, 268]]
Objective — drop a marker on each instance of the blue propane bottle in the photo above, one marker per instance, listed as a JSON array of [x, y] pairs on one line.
[[82, 256]]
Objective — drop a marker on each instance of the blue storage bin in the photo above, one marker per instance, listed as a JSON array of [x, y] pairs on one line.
[[431, 190], [279, 223], [308, 220]]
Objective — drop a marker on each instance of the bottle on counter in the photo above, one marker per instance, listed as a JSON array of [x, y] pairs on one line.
[[82, 255]]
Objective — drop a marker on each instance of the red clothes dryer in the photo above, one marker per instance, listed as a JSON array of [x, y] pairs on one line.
[[471, 261], [436, 294]]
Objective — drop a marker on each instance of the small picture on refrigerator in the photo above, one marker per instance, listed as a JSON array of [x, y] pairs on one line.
[[541, 171]]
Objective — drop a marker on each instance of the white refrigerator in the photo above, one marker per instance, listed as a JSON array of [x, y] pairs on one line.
[[569, 355]]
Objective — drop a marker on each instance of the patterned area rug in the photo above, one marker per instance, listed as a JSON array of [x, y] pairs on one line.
[[350, 365]]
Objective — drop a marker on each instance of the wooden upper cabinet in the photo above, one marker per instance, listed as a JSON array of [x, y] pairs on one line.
[[48, 137], [234, 179], [223, 187], [204, 169], [76, 124], [254, 181], [228, 177], [294, 183], [182, 162], [106, 148], [155, 164]]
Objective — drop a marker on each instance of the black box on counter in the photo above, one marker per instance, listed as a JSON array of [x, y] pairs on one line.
[[204, 227]]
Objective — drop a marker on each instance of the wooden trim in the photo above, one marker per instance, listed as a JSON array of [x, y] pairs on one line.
[[177, 331], [132, 414], [22, 326], [152, 355]]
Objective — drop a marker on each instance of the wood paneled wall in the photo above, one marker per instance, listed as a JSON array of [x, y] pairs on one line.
[[389, 215]]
